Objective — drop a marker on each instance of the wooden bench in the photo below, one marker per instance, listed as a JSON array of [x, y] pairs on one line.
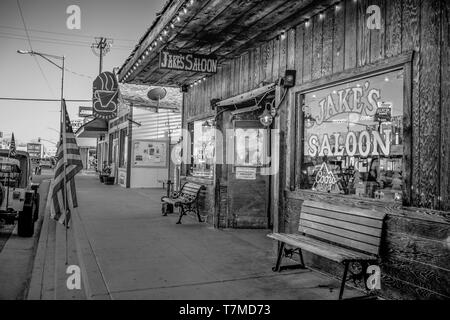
[[343, 234], [186, 199]]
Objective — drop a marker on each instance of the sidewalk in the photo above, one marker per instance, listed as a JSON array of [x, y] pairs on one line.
[[128, 250]]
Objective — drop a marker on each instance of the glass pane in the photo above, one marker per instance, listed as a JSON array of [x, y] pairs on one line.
[[353, 138], [203, 149], [250, 146]]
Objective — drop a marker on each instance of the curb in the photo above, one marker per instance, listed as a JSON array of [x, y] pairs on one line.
[[35, 287], [95, 286]]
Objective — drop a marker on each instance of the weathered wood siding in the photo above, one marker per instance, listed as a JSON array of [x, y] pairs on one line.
[[416, 250]]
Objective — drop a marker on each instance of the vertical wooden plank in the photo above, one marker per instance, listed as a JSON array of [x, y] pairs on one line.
[[445, 108], [393, 27], [317, 47], [263, 62], [251, 68], [244, 73], [377, 37], [351, 41], [299, 46], [411, 41], [363, 34], [276, 59], [430, 103], [269, 61], [257, 66], [327, 50], [308, 52], [339, 37], [283, 55], [247, 72], [237, 75], [290, 60]]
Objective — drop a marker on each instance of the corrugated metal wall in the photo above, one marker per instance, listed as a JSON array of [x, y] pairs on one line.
[[155, 125]]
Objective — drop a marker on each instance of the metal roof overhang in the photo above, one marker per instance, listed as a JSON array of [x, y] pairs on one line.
[[92, 129], [224, 28]]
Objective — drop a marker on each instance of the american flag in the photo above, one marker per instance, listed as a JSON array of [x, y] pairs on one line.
[[69, 154], [12, 147]]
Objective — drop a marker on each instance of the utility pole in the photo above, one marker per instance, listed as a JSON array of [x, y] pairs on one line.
[[100, 48]]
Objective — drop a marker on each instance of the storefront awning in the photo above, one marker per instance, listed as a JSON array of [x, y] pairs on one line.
[[222, 29], [92, 129]]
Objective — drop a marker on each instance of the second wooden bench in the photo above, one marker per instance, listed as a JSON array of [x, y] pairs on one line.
[[342, 234]]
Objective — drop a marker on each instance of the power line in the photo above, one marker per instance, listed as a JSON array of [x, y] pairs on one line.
[[56, 41], [44, 100], [66, 34], [31, 48]]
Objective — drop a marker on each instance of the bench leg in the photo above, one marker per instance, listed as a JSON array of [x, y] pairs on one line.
[[300, 253], [181, 214], [344, 279], [198, 213], [280, 257]]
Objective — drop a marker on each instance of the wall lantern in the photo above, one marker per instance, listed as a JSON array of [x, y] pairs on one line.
[[266, 118]]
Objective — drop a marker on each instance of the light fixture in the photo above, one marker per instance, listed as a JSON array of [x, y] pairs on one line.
[[191, 2], [283, 35], [185, 10], [266, 118], [204, 79], [160, 38], [178, 18], [307, 23], [321, 15], [172, 25]]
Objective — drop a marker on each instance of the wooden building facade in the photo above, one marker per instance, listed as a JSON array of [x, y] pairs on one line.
[[387, 55]]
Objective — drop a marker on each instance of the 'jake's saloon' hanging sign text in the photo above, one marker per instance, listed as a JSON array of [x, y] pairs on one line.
[[187, 62]]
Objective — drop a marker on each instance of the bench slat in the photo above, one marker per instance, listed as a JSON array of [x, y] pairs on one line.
[[340, 233], [342, 241], [342, 224], [344, 217], [329, 251], [372, 214]]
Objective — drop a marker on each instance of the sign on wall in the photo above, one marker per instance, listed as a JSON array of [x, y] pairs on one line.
[[149, 153], [245, 173], [105, 96], [175, 60]]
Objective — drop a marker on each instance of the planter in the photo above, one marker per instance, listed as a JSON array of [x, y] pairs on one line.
[[109, 180], [103, 177]]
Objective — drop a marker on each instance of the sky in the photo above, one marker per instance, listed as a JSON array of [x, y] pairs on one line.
[[124, 21]]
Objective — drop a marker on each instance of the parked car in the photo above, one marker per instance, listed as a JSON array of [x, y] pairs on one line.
[[46, 163], [19, 199]]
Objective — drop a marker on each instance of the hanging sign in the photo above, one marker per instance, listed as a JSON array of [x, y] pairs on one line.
[[105, 96], [84, 112], [175, 60], [383, 113], [245, 173]]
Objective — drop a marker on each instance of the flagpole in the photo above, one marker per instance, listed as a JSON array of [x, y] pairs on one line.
[[63, 128]]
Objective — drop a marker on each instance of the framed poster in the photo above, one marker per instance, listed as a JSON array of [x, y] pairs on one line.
[[150, 153]]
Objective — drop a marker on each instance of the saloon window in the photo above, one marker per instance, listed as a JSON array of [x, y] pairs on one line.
[[353, 138], [202, 148]]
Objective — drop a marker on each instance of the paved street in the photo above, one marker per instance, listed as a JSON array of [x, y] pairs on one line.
[[127, 250]]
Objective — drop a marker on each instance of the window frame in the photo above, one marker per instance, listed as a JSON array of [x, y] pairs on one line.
[[404, 62], [190, 166]]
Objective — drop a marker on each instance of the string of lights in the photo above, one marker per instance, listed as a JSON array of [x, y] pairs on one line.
[[160, 38], [307, 23]]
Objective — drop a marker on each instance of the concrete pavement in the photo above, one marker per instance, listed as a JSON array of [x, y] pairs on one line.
[[127, 250]]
